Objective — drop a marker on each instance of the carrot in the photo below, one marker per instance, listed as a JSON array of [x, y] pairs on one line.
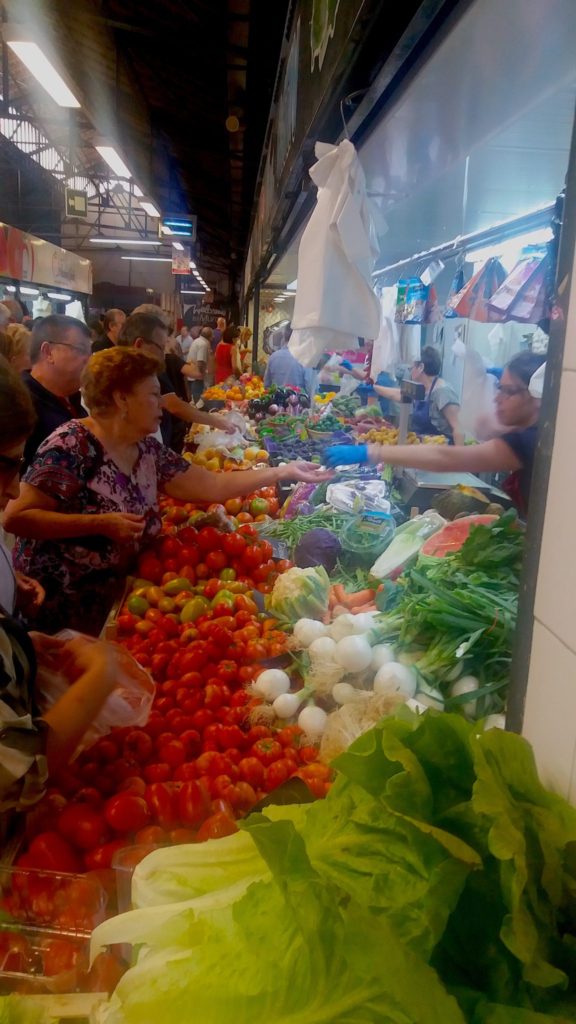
[[368, 607], [340, 594], [361, 597]]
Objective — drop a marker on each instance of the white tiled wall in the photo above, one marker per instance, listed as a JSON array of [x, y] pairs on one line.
[[550, 711]]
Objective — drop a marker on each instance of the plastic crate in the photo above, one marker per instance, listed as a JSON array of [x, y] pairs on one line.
[[46, 922]]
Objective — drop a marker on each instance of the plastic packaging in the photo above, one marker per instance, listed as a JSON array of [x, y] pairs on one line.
[[128, 705], [365, 538], [358, 496], [406, 545]]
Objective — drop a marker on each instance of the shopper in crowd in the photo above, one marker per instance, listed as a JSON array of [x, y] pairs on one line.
[[184, 340], [89, 501], [30, 743], [114, 320], [59, 351], [283, 370], [438, 412], [149, 333], [224, 354], [218, 332], [15, 309], [15, 346], [199, 358], [245, 350], [513, 451]]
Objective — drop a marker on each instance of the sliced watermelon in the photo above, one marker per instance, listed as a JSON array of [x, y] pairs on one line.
[[452, 536]]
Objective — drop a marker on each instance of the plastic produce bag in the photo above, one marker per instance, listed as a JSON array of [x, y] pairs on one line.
[[472, 300], [128, 705]]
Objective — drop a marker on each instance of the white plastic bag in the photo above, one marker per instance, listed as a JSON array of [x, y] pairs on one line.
[[128, 705]]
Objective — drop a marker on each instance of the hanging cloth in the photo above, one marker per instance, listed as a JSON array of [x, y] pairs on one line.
[[335, 302]]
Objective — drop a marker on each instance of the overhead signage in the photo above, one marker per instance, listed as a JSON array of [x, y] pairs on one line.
[[183, 226], [28, 259], [76, 203], [205, 315], [181, 260]]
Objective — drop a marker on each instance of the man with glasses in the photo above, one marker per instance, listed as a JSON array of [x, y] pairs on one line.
[[145, 331], [59, 350]]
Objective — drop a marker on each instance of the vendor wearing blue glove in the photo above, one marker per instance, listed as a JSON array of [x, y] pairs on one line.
[[346, 455], [512, 451]]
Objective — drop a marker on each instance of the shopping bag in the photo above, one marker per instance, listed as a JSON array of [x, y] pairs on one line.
[[515, 284], [129, 703], [531, 302], [472, 300]]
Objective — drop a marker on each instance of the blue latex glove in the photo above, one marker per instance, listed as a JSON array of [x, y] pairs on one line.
[[345, 455], [346, 364]]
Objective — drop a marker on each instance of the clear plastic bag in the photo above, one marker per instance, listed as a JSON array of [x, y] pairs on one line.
[[128, 705]]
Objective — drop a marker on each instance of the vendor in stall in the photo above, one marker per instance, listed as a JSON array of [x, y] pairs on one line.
[[512, 451], [437, 412], [89, 501], [30, 744]]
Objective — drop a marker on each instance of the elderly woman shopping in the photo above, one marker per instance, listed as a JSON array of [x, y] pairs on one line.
[[89, 501]]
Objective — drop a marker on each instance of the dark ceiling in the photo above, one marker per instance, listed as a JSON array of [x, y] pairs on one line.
[[196, 62], [161, 79]]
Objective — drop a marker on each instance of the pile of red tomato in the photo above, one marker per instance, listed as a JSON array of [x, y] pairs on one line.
[[200, 761]]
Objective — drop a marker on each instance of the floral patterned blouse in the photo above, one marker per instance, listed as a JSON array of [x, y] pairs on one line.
[[82, 576]]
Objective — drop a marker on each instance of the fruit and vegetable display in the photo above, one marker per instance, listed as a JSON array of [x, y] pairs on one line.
[[248, 387], [434, 884], [313, 811], [389, 435]]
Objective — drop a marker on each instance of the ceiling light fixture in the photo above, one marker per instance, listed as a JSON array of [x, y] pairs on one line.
[[60, 298], [165, 230], [40, 67], [150, 209], [29, 291], [149, 259], [178, 246], [124, 241], [10, 288], [114, 161], [189, 291]]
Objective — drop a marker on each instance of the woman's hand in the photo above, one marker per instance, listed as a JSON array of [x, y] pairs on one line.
[[121, 526], [30, 595], [307, 472], [93, 657], [221, 423]]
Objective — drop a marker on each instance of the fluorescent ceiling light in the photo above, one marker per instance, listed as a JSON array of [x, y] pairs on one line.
[[188, 291], [292, 286], [10, 288], [114, 160], [192, 265], [137, 192], [124, 241], [150, 209], [44, 72], [165, 230], [279, 298], [149, 259], [61, 298], [29, 291], [509, 249], [196, 273], [178, 246]]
